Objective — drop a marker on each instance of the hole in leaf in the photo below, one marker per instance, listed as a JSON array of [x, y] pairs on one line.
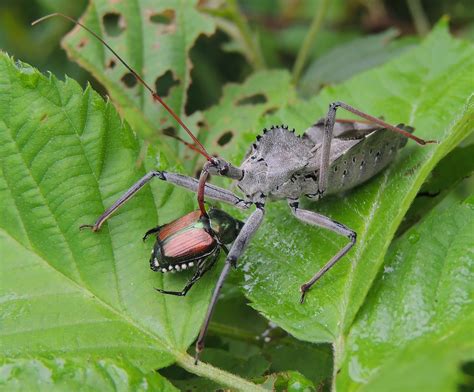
[[225, 138], [206, 87], [270, 111], [164, 83], [114, 24], [129, 80], [82, 43], [111, 64], [170, 131], [252, 100], [163, 18]]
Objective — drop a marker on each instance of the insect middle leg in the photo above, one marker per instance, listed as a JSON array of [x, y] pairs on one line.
[[211, 191], [246, 233], [201, 269], [322, 221]]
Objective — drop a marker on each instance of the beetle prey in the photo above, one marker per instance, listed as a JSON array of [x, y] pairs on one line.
[[331, 156]]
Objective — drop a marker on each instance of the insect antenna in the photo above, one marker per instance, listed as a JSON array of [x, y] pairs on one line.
[[198, 147]]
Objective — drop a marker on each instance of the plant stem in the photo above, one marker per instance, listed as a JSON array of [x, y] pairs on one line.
[[309, 39], [253, 47], [232, 332], [422, 25], [220, 376]]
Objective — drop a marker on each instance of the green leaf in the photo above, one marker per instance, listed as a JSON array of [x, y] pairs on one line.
[[416, 327], [71, 374], [413, 89], [64, 155], [358, 55], [155, 40], [454, 171], [290, 381]]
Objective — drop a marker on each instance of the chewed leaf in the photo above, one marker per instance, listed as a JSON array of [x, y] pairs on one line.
[[243, 112], [155, 39], [418, 317]]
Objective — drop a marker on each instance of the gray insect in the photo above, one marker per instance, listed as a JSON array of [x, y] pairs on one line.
[[330, 157]]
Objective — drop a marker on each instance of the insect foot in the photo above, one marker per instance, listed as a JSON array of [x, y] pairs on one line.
[[92, 227], [304, 289]]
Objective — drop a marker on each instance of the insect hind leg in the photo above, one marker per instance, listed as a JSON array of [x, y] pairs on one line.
[[315, 219]]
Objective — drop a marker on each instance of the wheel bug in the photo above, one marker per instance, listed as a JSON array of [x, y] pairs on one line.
[[330, 157]]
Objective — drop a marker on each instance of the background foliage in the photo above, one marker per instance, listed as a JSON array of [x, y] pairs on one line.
[[79, 310]]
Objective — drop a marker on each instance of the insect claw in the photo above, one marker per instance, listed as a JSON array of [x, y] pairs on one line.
[[92, 227], [302, 297], [196, 358], [303, 290]]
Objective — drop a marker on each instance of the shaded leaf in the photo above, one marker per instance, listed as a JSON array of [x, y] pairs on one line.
[[453, 172], [416, 327], [347, 60], [287, 382]]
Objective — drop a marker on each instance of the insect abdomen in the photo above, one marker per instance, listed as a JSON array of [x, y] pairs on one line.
[[364, 160]]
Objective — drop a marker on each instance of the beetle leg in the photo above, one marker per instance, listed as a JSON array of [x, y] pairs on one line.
[[200, 271], [151, 231], [239, 245], [322, 221], [211, 191]]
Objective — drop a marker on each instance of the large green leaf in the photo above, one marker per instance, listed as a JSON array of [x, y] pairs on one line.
[[416, 327], [65, 155], [413, 89]]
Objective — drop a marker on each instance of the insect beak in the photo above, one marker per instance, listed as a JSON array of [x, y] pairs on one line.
[[221, 167]]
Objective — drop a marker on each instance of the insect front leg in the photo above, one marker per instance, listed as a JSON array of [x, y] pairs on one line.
[[322, 221], [248, 230], [201, 269], [211, 191]]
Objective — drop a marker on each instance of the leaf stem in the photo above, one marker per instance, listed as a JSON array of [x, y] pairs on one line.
[[422, 25], [309, 39], [233, 332], [220, 376]]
